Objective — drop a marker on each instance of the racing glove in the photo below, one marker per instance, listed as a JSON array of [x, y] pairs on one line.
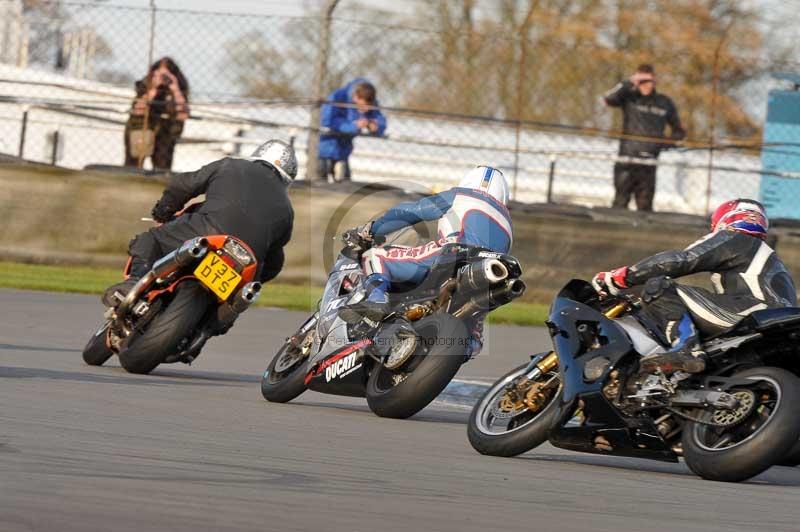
[[610, 282], [163, 211], [361, 237]]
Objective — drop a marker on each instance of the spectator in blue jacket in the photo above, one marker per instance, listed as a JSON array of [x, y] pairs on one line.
[[357, 117]]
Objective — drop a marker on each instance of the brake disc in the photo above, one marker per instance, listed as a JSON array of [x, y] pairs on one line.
[[294, 353], [401, 351], [510, 405]]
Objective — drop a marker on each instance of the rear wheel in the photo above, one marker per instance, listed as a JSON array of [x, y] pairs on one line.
[[746, 441], [439, 351], [167, 331], [793, 458], [97, 351], [284, 378], [515, 414]]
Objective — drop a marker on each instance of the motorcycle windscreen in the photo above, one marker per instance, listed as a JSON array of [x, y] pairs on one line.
[[345, 271], [342, 372]]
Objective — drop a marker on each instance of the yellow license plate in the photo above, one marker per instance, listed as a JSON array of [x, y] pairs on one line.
[[217, 276]]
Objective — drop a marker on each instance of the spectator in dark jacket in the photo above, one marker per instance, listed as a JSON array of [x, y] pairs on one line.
[[645, 115], [355, 115], [157, 115]]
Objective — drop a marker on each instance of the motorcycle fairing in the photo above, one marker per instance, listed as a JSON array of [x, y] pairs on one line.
[[341, 372], [345, 270], [601, 337]]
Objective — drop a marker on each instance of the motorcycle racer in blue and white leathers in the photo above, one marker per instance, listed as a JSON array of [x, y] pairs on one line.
[[473, 213]]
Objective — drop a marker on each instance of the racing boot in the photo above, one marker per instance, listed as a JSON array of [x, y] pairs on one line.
[[685, 354], [374, 307], [115, 294]]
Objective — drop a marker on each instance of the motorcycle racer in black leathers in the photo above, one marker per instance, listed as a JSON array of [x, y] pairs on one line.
[[245, 198], [746, 273]]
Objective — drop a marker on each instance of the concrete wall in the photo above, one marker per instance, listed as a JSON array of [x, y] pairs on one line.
[[63, 216]]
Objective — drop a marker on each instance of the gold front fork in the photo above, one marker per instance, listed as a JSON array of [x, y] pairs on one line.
[[550, 362]]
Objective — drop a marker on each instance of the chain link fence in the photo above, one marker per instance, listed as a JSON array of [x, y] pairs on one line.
[[517, 85]]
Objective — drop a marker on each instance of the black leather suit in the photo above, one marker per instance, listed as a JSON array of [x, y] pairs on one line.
[[746, 273], [246, 199]]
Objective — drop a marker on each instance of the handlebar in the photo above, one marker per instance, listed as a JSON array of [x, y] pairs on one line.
[[619, 303]]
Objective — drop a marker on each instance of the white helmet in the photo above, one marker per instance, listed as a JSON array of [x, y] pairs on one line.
[[280, 156], [488, 180]]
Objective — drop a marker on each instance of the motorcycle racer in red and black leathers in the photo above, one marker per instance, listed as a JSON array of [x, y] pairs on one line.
[[746, 274]]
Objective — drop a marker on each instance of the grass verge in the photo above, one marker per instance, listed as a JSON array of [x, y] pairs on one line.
[[88, 280]]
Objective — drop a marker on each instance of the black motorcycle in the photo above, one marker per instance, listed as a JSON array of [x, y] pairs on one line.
[[403, 362], [730, 423]]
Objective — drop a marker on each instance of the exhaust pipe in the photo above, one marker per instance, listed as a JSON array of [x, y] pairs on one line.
[[190, 251], [247, 296], [229, 311], [483, 274], [492, 299]]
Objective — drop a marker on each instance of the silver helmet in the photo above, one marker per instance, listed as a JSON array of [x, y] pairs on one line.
[[278, 155]]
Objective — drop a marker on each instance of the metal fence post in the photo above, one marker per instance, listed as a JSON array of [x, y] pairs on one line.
[[54, 152], [523, 53], [152, 34], [23, 130], [320, 71], [551, 177]]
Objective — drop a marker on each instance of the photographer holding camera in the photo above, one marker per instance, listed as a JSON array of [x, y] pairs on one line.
[[157, 115], [645, 115]]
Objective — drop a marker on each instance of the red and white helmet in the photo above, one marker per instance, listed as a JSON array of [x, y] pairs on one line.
[[741, 215]]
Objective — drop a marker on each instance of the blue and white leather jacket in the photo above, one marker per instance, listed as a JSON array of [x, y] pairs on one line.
[[465, 215]]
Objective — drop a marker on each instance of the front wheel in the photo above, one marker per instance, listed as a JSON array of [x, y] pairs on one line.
[[515, 414], [284, 378], [97, 350], [734, 445], [439, 350]]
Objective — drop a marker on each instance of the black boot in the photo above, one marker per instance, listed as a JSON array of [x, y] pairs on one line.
[[115, 293], [376, 305], [373, 310], [685, 354]]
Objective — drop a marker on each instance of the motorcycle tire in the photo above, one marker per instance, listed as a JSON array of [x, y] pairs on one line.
[[284, 386], [517, 440], [758, 451], [424, 374], [792, 458], [164, 334], [97, 351]]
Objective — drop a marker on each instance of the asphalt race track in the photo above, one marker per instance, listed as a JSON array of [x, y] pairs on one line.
[[197, 448]]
